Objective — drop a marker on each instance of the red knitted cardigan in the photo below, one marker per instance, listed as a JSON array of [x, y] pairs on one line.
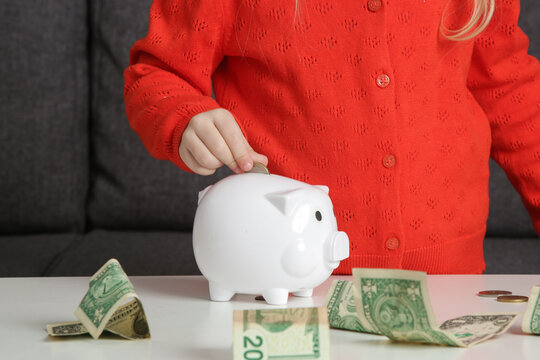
[[365, 97]]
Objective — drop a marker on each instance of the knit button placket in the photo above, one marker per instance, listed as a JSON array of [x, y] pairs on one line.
[[374, 5], [389, 161], [392, 243], [383, 80]]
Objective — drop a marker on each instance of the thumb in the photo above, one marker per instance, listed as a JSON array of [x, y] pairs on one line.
[[256, 157]]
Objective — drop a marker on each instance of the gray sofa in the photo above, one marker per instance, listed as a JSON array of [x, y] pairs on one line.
[[77, 186]]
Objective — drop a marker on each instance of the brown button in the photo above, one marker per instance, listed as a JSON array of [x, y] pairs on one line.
[[374, 5], [389, 161], [392, 243], [383, 80]]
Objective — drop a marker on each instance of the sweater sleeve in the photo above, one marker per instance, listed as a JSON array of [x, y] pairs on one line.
[[505, 81], [168, 80]]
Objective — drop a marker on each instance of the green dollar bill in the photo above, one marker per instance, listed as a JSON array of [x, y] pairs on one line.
[[66, 328], [109, 288], [342, 308], [293, 333], [396, 303], [531, 318], [129, 322], [473, 329]]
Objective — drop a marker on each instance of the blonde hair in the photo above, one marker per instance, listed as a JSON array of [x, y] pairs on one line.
[[482, 12]]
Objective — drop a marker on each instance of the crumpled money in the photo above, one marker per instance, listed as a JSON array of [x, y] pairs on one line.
[[107, 306]]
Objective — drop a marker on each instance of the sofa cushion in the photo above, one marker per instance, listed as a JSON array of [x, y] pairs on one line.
[[140, 253], [507, 214], [512, 255], [32, 255], [171, 253], [43, 115], [130, 189]]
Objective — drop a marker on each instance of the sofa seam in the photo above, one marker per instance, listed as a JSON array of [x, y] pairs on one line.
[[95, 61]]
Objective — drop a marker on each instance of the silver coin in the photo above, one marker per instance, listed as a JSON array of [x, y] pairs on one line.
[[259, 169]]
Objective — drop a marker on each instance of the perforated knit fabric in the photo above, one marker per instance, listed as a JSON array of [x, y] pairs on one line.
[[365, 97]]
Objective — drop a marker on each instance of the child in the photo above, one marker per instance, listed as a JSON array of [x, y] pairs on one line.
[[395, 105]]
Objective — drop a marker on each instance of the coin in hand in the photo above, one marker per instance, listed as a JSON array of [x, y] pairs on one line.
[[259, 168], [512, 298], [493, 293]]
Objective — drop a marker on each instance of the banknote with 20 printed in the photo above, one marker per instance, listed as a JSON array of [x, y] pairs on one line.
[[293, 333]]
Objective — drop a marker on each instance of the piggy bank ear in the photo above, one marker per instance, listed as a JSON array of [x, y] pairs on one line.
[[323, 188], [202, 193], [285, 201]]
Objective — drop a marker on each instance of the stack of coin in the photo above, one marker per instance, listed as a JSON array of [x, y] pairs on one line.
[[503, 296]]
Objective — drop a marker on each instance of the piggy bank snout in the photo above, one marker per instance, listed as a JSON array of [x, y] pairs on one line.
[[337, 248]]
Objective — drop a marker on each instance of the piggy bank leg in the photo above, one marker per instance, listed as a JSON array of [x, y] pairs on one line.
[[217, 293], [303, 293], [276, 296]]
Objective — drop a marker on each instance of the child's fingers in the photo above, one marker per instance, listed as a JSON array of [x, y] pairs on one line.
[[208, 136], [260, 158], [196, 155], [192, 163], [230, 131], [207, 151], [214, 138], [218, 146]]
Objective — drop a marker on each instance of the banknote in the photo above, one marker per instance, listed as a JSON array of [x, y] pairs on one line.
[[396, 303], [342, 308], [293, 333], [110, 303], [531, 318], [129, 321], [66, 328], [474, 329]]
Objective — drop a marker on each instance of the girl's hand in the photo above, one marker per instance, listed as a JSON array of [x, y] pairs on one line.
[[213, 139]]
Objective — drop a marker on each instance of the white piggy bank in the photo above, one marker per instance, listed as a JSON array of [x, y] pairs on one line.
[[266, 234]]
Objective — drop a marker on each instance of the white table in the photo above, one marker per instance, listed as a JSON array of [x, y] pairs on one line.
[[185, 324]]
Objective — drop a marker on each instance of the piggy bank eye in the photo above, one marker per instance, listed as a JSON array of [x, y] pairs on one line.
[[318, 215]]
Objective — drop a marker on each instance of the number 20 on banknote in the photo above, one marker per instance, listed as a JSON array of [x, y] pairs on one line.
[[295, 333], [253, 346]]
